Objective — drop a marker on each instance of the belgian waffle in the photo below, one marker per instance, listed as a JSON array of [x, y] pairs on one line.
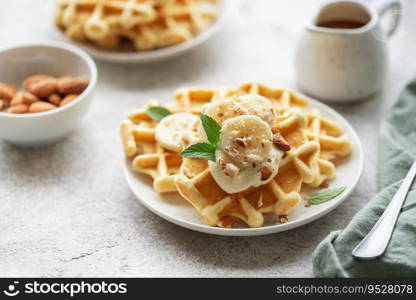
[[315, 146], [149, 24], [196, 184], [147, 156]]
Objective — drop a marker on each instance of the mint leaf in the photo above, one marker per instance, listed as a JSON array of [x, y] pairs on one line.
[[212, 129], [325, 196], [205, 150], [200, 150], [158, 112]]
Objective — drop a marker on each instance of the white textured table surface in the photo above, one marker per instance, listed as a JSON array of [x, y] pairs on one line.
[[66, 209]]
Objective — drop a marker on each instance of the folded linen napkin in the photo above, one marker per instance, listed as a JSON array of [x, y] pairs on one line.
[[397, 150]]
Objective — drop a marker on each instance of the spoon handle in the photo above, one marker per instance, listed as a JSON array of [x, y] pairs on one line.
[[375, 242]]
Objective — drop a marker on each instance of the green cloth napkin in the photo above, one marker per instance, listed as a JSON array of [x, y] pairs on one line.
[[397, 150]]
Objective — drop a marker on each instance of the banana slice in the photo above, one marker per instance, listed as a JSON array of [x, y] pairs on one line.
[[249, 104], [245, 156], [258, 106], [177, 131], [222, 110]]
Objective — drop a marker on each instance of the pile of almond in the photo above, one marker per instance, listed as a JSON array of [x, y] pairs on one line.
[[40, 93]]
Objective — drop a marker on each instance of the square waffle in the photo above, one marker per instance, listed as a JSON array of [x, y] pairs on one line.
[[315, 146], [148, 157], [148, 24]]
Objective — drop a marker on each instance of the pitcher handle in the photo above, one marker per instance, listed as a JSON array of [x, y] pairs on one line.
[[395, 9]]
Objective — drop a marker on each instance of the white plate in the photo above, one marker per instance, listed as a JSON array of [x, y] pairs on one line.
[[175, 209], [141, 57]]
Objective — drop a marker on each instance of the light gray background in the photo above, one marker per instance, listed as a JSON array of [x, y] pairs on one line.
[[65, 210]]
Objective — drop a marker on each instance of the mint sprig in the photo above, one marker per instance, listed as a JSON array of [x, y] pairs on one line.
[[200, 150], [205, 150], [158, 112], [212, 129], [325, 196]]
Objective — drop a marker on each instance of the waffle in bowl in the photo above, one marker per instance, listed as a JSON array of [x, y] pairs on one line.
[[147, 24], [315, 146]]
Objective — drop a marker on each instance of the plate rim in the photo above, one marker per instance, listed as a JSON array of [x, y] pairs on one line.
[[271, 229], [143, 57]]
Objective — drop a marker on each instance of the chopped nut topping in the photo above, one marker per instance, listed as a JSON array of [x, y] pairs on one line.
[[283, 218], [324, 185], [260, 202], [226, 222], [241, 142], [280, 142], [239, 111], [221, 163], [231, 170], [275, 129], [265, 173]]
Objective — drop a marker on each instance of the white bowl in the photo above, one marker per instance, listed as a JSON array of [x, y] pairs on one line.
[[50, 58], [142, 57]]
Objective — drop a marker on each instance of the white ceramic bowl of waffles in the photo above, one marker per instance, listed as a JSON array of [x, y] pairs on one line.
[[130, 56], [177, 210], [54, 59]]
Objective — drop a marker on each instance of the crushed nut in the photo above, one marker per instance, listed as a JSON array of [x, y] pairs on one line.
[[241, 142], [231, 170], [260, 201], [265, 173], [280, 142], [275, 129], [221, 163], [324, 185], [226, 222], [283, 219]]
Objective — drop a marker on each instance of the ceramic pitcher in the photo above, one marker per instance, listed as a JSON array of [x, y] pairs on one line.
[[342, 53]]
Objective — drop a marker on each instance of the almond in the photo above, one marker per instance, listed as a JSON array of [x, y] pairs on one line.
[[7, 91], [29, 98], [226, 222], [43, 88], [283, 219], [55, 99], [40, 106], [32, 79], [17, 99], [324, 185], [68, 98], [265, 173], [280, 142], [72, 85], [18, 109], [23, 98]]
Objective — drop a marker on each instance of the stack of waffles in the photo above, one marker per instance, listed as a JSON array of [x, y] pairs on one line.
[[316, 144], [148, 24]]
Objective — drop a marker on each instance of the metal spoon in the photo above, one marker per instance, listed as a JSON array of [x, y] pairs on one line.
[[375, 242]]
